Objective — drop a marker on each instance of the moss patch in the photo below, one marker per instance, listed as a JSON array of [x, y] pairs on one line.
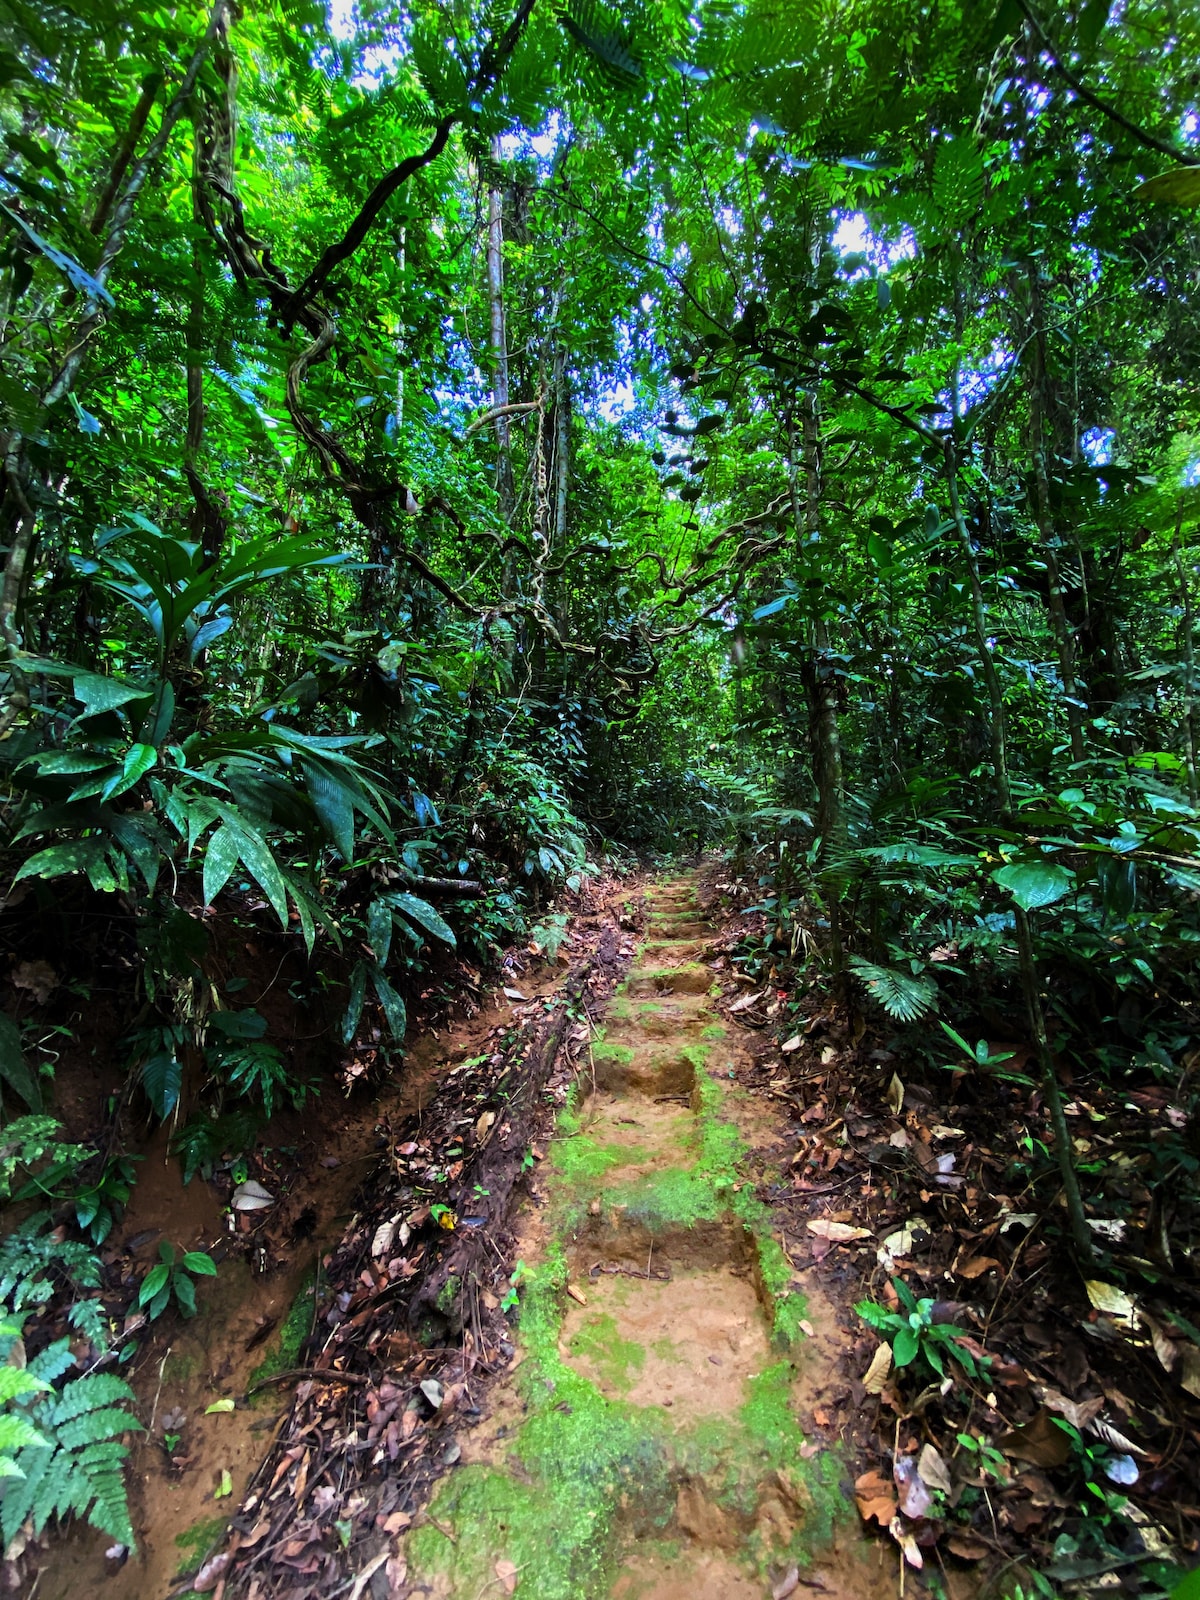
[[617, 1360], [284, 1353], [195, 1542]]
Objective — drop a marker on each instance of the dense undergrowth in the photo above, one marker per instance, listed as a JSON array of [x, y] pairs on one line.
[[447, 446]]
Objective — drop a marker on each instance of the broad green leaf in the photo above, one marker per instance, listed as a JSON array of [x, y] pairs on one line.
[[1034, 883], [422, 912], [98, 695], [162, 1078], [153, 1283], [358, 990], [137, 763], [199, 1262], [256, 854], [221, 856], [333, 802], [379, 930], [393, 1006], [76, 855], [14, 1069], [1178, 186]]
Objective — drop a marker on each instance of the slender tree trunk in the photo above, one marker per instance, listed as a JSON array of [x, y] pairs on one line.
[[1189, 661], [822, 685], [1026, 955], [562, 477], [1059, 623], [498, 339]]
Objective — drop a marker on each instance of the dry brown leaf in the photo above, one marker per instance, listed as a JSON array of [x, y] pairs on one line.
[[877, 1373], [1114, 1437], [1189, 1371], [966, 1548], [38, 977], [933, 1469], [907, 1543], [875, 1496], [976, 1267], [507, 1573], [1041, 1441], [1079, 1413], [787, 1585], [1165, 1348], [577, 1294], [836, 1232], [1111, 1300], [212, 1570], [895, 1095], [791, 1044]]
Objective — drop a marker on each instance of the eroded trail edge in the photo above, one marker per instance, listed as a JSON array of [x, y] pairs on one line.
[[645, 1442]]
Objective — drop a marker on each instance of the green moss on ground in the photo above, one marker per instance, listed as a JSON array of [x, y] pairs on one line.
[[195, 1542], [284, 1353], [617, 1361]]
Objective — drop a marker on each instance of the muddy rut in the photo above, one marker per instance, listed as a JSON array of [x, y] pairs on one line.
[[645, 1444]]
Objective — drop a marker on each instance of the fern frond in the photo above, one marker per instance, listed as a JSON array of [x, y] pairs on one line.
[[899, 993]]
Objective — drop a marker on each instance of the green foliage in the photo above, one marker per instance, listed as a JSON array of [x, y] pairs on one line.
[[67, 1455], [914, 1333], [903, 995], [170, 1278]]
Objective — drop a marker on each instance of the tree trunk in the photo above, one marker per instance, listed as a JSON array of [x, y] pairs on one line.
[[498, 339], [1059, 623]]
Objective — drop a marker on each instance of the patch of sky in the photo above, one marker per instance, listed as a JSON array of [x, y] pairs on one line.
[[375, 60], [854, 236], [1191, 473], [1097, 446]]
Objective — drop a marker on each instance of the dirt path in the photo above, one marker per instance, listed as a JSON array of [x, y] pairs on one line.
[[645, 1444]]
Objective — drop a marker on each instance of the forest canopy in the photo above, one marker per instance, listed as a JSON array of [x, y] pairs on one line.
[[447, 443]]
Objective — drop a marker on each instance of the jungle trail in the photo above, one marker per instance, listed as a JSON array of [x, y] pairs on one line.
[[599, 816]]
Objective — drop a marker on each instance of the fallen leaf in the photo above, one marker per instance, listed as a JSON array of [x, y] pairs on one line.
[[976, 1267], [38, 977], [940, 1131], [1113, 1229], [966, 1548], [507, 1573], [577, 1294], [224, 1404], [251, 1196], [432, 1390], [895, 1246], [933, 1469], [895, 1095], [806, 1328], [513, 994], [1114, 1437], [915, 1499], [877, 1373], [225, 1488], [209, 1573], [384, 1234], [875, 1497], [1189, 1371], [744, 1002], [907, 1543], [1041, 1441], [1165, 1348], [1114, 1302], [483, 1125], [787, 1585], [791, 1044], [1079, 1413], [836, 1232]]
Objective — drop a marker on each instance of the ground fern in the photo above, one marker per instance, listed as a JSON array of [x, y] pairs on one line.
[[67, 1455]]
